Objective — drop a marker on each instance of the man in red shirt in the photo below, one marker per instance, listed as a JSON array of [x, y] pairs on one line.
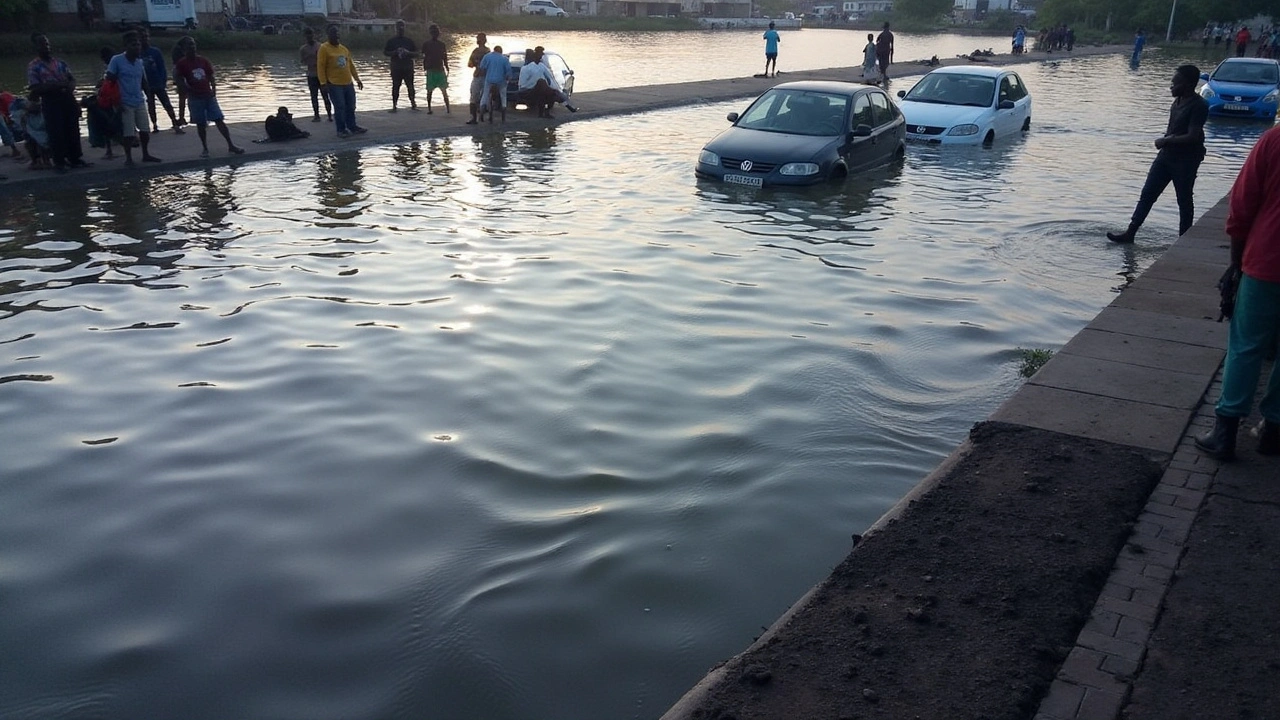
[[194, 74], [1254, 227], [1242, 41]]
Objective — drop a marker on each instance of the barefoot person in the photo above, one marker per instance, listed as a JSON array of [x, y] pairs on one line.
[[339, 78], [478, 54], [1181, 149], [869, 61], [195, 74], [497, 69], [128, 72], [771, 41], [307, 58], [402, 51], [435, 63], [1253, 223]]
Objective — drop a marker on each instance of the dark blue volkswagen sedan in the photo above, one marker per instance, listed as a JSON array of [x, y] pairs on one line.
[[800, 133]]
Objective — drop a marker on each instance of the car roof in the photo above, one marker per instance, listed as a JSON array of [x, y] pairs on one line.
[[831, 86], [1250, 61], [983, 70]]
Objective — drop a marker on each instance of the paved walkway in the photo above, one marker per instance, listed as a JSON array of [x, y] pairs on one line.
[[182, 152], [1187, 624]]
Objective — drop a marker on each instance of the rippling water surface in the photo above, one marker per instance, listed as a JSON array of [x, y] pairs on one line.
[[508, 427]]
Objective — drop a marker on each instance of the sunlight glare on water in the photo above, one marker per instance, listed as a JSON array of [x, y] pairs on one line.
[[507, 427]]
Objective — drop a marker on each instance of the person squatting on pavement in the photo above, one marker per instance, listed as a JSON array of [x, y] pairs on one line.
[[337, 72], [1181, 151], [1254, 226]]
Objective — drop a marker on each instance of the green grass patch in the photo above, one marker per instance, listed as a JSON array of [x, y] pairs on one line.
[[1032, 360]]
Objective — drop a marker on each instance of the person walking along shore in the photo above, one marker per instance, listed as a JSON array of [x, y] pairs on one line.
[[1253, 224], [435, 65], [771, 40], [129, 73]]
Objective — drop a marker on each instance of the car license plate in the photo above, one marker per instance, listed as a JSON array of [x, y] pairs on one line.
[[744, 180], [1231, 107]]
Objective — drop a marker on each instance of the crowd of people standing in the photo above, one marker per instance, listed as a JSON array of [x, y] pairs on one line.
[[1265, 39], [42, 123]]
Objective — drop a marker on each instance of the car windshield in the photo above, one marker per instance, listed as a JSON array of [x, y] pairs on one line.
[[797, 112], [1254, 73], [954, 89]]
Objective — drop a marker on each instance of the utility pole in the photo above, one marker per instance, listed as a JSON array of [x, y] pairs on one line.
[[1168, 35]]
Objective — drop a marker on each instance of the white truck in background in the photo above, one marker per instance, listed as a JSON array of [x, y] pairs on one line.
[[150, 13]]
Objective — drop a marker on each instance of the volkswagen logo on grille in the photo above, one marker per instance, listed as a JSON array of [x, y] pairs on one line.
[[920, 129], [1238, 98], [746, 166]]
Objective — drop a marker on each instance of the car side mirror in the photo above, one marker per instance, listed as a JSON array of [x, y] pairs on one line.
[[1204, 76], [902, 93], [1006, 105], [731, 117], [862, 131], [567, 73]]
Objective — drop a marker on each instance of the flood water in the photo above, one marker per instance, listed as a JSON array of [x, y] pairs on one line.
[[511, 427]]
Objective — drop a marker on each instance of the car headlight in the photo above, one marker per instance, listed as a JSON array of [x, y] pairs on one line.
[[799, 169], [1272, 96], [963, 130], [706, 157], [1207, 93]]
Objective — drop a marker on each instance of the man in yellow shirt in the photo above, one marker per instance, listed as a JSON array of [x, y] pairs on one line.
[[336, 72]]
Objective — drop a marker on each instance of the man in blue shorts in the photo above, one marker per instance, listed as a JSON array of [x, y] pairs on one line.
[[196, 75], [771, 41]]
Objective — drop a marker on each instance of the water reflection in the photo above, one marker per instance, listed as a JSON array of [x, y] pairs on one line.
[[340, 185]]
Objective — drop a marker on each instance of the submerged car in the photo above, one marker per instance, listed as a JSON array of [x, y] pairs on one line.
[[1243, 88], [800, 133], [966, 104]]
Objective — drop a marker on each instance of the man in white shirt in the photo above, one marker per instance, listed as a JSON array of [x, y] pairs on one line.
[[535, 85], [553, 85]]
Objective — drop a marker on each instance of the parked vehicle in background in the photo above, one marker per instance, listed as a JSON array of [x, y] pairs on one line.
[[801, 133], [1243, 88], [542, 7], [150, 13], [966, 104], [553, 60]]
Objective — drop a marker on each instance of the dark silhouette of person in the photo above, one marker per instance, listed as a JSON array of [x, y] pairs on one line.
[[1181, 149]]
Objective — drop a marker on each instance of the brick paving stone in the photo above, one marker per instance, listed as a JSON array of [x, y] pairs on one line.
[[1103, 643], [1101, 704], [1119, 666], [1199, 481], [1129, 609], [1175, 477], [1103, 622], [1159, 572], [1170, 512], [1134, 629], [1063, 699], [1082, 668], [1117, 590]]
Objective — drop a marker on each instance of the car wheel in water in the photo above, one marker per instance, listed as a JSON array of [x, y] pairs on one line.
[[838, 173], [990, 138], [1026, 124]]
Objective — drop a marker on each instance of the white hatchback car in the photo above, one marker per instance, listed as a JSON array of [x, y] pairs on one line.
[[542, 7], [966, 104]]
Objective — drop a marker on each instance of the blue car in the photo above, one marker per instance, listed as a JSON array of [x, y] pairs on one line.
[[1243, 88]]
